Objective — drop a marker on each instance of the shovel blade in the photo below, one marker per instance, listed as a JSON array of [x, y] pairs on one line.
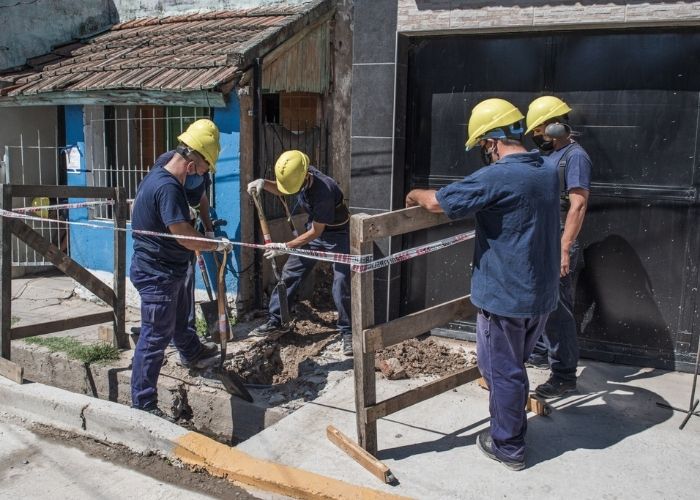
[[234, 384], [210, 312], [284, 304]]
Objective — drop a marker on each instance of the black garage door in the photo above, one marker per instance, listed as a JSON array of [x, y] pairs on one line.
[[635, 100]]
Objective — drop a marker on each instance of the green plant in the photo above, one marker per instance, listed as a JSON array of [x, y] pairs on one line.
[[200, 327], [87, 353]]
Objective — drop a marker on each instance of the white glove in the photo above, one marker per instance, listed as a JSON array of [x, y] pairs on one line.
[[209, 234], [256, 186], [224, 245], [274, 250], [193, 213]]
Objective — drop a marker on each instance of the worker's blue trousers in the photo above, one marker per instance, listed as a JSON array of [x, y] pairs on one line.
[[503, 345], [559, 340], [165, 307], [297, 268]]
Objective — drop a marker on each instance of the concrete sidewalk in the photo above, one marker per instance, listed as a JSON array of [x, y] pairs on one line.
[[609, 441]]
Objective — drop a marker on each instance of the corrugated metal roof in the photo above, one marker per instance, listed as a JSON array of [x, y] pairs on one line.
[[183, 53]]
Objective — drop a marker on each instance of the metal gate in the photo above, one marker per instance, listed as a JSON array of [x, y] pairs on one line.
[[36, 160], [123, 142], [276, 139]]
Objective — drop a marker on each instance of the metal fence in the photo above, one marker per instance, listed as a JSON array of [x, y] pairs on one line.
[[36, 160], [123, 142]]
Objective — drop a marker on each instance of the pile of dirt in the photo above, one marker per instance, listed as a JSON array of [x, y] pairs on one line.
[[421, 357], [284, 362]]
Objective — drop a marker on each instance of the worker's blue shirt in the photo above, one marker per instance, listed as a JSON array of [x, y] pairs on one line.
[[194, 194], [320, 199], [160, 202], [578, 166], [515, 202]]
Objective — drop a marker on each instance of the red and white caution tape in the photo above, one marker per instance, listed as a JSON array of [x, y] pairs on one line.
[[358, 263], [62, 206]]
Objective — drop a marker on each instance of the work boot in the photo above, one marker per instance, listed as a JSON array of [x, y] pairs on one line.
[[269, 328], [539, 361], [553, 388], [346, 340], [208, 356], [485, 444]]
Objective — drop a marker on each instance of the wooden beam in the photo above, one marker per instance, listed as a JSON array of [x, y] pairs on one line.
[[362, 303], [60, 325], [62, 261], [32, 190], [401, 222], [414, 324], [121, 212], [11, 370], [5, 272], [377, 468], [427, 391]]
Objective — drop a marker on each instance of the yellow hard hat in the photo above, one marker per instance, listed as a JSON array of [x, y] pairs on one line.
[[290, 171], [544, 108], [203, 137], [41, 201], [489, 115]]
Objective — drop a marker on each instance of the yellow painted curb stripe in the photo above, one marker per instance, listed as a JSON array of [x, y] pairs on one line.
[[224, 461]]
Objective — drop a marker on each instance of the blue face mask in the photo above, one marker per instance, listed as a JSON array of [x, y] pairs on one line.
[[193, 181]]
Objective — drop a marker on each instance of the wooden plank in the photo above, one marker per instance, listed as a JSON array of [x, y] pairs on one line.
[[377, 468], [121, 212], [5, 272], [427, 391], [60, 325], [538, 406], [247, 281], [414, 324], [11, 370], [62, 261], [362, 303], [33, 190], [401, 222]]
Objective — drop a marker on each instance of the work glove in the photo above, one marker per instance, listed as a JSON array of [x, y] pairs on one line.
[[256, 186], [209, 234], [193, 213], [274, 250], [224, 245]]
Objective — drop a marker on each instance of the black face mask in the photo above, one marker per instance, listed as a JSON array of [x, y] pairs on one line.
[[542, 144]]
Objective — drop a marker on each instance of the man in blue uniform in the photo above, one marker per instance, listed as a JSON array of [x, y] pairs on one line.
[[326, 230], [159, 264], [558, 347], [196, 189], [516, 253]]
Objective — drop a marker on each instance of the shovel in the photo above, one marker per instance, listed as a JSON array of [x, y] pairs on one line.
[[210, 309], [280, 286], [232, 382]]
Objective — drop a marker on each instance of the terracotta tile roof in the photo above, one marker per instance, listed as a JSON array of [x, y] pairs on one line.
[[183, 53]]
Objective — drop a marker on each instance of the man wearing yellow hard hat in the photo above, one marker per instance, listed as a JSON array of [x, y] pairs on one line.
[[558, 347], [159, 264], [326, 230], [515, 202]]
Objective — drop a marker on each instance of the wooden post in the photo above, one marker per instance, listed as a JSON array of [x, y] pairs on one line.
[[362, 286], [121, 211], [5, 273]]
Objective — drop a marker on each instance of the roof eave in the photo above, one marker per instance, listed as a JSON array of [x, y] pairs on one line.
[[205, 98]]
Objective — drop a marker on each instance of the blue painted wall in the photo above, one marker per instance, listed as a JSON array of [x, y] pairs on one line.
[[93, 248]]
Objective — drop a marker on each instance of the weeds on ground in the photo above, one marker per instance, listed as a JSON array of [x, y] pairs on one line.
[[14, 320], [87, 353], [200, 325]]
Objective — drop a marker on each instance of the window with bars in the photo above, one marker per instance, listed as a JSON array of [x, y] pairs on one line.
[[123, 143]]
